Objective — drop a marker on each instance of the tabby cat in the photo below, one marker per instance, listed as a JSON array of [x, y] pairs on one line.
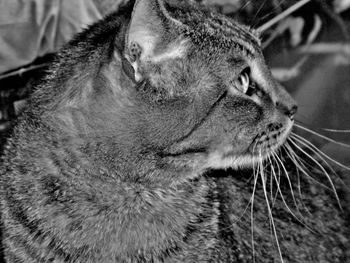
[[112, 160]]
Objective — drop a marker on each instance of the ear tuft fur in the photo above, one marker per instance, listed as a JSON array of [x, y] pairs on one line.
[[152, 36]]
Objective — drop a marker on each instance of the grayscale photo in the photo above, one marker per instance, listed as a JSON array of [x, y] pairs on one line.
[[175, 131]]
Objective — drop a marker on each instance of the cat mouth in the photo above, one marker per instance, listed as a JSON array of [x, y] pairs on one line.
[[269, 140]]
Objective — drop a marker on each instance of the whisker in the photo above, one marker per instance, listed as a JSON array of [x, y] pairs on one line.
[[271, 181], [288, 179], [241, 216], [290, 152], [322, 136], [322, 168], [271, 192], [295, 136], [312, 148], [273, 178], [258, 11], [300, 161], [244, 6], [300, 166], [262, 176], [278, 180], [287, 206], [252, 205], [336, 131], [277, 9], [278, 166], [316, 151], [255, 174]]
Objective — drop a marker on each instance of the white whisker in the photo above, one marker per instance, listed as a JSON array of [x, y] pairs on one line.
[[241, 216], [278, 180], [301, 166], [255, 173], [263, 180], [322, 168], [273, 178], [278, 167], [288, 179], [322, 136], [336, 131], [252, 212], [296, 136], [285, 203], [312, 148], [271, 181], [318, 152], [290, 152]]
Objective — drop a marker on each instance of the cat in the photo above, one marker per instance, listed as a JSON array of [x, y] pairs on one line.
[[115, 157]]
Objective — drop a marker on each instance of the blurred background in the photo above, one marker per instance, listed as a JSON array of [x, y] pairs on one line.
[[306, 43]]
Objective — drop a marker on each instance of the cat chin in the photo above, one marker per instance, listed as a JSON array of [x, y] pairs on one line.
[[219, 160], [216, 161]]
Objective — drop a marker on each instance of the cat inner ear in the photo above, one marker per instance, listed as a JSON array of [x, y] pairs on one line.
[[152, 37]]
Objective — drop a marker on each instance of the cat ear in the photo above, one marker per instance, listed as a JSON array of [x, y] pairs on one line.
[[151, 36]]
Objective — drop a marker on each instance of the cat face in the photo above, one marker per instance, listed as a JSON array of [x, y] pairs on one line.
[[203, 86]]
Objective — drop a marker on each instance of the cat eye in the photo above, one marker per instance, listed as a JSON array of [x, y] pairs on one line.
[[242, 82]]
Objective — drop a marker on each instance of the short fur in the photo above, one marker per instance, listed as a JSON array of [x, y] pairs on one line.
[[109, 162]]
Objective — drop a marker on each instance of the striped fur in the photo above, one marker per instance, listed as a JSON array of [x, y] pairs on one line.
[[112, 159]]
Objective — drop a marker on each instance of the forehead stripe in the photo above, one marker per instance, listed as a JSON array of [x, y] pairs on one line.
[[220, 29], [230, 38], [236, 34]]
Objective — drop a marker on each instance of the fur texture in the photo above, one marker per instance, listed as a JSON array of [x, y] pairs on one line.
[[110, 161]]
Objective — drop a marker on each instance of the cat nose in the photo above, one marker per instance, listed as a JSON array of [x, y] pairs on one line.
[[290, 111], [284, 102]]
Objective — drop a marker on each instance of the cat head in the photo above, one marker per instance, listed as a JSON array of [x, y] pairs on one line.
[[201, 87]]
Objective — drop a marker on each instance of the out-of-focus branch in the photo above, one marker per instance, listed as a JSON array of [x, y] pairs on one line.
[[23, 70], [326, 48], [285, 74], [282, 15]]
